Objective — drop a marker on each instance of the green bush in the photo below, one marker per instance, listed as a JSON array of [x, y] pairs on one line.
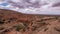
[[18, 27]]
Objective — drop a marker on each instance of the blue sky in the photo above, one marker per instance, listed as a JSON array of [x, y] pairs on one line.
[[4, 4]]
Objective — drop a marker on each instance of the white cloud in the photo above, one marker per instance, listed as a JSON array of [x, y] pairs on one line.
[[45, 9]]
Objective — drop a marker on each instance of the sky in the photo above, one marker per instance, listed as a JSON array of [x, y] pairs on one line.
[[4, 4], [43, 10]]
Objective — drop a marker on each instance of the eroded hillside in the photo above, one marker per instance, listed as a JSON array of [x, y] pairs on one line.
[[12, 22]]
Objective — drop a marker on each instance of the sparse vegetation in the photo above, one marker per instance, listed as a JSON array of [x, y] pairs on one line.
[[12, 21], [1, 22], [1, 28], [45, 29], [34, 28], [43, 23], [57, 29], [25, 24], [18, 27], [6, 30]]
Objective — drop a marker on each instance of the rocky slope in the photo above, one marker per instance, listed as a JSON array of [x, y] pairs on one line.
[[12, 22]]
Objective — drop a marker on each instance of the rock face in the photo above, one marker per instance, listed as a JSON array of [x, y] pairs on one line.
[[12, 22]]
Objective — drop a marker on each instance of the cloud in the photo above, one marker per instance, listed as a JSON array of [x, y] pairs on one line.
[[44, 9]]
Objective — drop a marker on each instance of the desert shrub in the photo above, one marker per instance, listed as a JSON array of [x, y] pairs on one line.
[[25, 24], [46, 29], [18, 27], [12, 19], [7, 30], [57, 29], [1, 22], [1, 28]]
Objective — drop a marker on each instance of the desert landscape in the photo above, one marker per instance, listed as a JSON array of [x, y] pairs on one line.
[[12, 22]]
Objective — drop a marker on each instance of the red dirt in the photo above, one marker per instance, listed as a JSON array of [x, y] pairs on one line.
[[12, 22]]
